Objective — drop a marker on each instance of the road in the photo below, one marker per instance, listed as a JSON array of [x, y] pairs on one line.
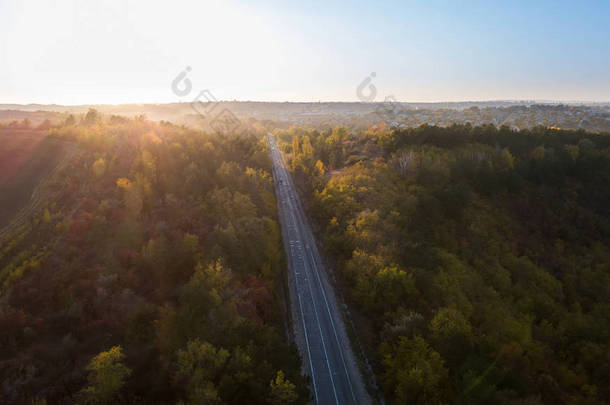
[[318, 325]]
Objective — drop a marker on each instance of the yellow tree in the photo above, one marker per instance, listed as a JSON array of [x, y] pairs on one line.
[[295, 146], [107, 375], [99, 167], [306, 147], [283, 392]]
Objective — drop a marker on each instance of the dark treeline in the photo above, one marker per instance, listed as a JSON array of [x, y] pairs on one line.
[[152, 275], [478, 258]]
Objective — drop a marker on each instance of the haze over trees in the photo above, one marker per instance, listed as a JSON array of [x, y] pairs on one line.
[[477, 258], [474, 260]]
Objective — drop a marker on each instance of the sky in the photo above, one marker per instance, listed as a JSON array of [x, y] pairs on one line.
[[130, 51]]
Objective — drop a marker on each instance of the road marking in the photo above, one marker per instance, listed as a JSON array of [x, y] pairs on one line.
[[332, 322], [315, 310], [279, 171], [292, 196], [313, 374]]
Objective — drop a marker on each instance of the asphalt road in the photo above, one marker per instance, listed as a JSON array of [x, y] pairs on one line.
[[317, 322]]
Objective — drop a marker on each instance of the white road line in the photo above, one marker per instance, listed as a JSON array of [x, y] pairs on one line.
[[313, 376], [332, 322], [315, 309], [311, 237], [299, 228]]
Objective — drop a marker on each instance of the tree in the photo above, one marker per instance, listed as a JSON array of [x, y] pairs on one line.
[[92, 117], [405, 161], [320, 167], [306, 147], [505, 160], [392, 287], [201, 364], [26, 124], [449, 323], [134, 193], [99, 167], [295, 146], [338, 135], [335, 145], [46, 216], [282, 390], [69, 121], [216, 275], [450, 329], [414, 371], [44, 125], [107, 375]]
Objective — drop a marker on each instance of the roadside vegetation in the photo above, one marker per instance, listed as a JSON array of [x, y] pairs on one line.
[[152, 273], [477, 258]]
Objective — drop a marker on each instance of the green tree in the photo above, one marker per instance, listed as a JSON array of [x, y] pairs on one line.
[[201, 364], [448, 323], [392, 287], [505, 160], [450, 329], [415, 373]]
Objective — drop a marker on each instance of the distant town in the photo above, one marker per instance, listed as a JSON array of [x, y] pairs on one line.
[[354, 115]]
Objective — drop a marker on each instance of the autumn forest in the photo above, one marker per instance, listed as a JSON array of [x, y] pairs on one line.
[[149, 267]]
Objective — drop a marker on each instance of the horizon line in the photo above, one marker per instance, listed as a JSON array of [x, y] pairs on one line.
[[516, 101]]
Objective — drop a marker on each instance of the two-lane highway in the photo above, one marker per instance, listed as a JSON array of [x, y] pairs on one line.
[[318, 325]]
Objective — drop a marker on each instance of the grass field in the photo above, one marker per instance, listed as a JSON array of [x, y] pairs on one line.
[[26, 157]]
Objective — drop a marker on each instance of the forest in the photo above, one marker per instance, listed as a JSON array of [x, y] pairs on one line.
[[153, 273], [476, 260]]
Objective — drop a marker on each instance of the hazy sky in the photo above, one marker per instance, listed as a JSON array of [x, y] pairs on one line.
[[76, 52]]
